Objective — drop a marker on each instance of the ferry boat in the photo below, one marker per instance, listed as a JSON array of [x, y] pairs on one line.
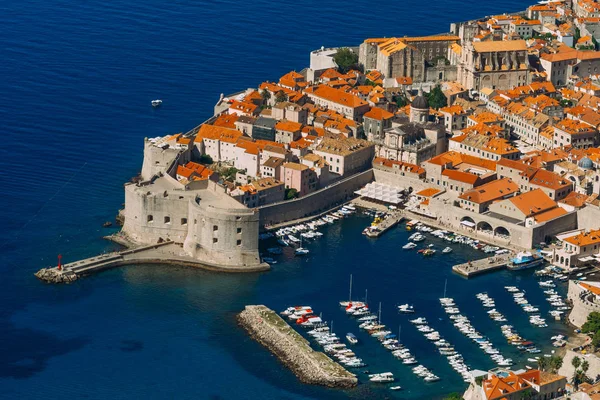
[[525, 260]]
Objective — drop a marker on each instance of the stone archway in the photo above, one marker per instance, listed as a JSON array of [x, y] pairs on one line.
[[467, 222], [502, 232], [485, 227]]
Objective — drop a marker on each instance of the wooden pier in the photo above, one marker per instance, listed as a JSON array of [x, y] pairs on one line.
[[478, 267], [392, 220]]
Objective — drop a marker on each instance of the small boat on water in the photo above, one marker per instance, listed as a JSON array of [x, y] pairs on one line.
[[409, 245], [447, 250], [351, 338], [395, 387], [428, 252], [525, 260], [156, 103], [269, 260], [382, 378], [301, 251], [406, 309], [275, 250]]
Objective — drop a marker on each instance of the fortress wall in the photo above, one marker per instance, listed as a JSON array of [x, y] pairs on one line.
[[581, 308], [222, 236], [139, 206], [315, 202]]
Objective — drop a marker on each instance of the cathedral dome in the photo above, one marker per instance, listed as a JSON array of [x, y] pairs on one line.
[[585, 163], [420, 102]]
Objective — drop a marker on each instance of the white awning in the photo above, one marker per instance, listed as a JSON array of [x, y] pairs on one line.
[[468, 223], [586, 259]]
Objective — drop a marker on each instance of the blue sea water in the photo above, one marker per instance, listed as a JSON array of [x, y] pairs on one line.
[[77, 79]]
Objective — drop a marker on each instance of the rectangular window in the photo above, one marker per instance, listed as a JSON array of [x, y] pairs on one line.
[[183, 221], [215, 228], [167, 220], [239, 230], [215, 240], [239, 242]]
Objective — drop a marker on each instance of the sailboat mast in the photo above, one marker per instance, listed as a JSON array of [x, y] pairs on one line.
[[379, 313], [399, 331], [445, 287], [350, 294], [366, 292]]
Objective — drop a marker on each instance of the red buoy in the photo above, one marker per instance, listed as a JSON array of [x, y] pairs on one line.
[[59, 262]]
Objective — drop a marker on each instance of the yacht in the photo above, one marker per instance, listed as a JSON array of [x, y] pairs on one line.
[[383, 377], [301, 251], [351, 338], [406, 309], [409, 246], [156, 103], [525, 260]]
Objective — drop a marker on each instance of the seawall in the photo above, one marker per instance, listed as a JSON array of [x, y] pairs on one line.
[[316, 202], [313, 367]]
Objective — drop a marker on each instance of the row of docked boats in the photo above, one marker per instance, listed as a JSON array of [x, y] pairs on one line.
[[462, 323], [556, 301], [508, 331], [445, 349], [294, 236], [323, 334], [489, 302], [535, 318]]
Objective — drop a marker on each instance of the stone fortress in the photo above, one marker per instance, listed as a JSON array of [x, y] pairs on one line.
[[212, 227]]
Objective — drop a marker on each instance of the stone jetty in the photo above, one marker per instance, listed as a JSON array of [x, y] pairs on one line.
[[478, 267], [310, 366], [54, 275]]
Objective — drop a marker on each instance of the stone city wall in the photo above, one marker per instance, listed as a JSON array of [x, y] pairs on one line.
[[315, 202], [581, 307], [395, 179]]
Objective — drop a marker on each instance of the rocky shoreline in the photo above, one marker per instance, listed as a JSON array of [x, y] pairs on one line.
[[312, 367], [53, 275]]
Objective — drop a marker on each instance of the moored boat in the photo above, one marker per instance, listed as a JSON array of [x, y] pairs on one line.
[[525, 260]]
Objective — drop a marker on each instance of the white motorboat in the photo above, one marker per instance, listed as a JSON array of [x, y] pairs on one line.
[[447, 250], [406, 309], [156, 103], [409, 245], [351, 338], [301, 251]]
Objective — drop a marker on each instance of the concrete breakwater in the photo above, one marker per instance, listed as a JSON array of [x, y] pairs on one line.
[[310, 366], [165, 253]]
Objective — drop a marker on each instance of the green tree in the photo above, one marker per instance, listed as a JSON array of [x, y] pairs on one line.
[[437, 98], [280, 97], [345, 59], [578, 377], [585, 365], [555, 363], [266, 95], [205, 159], [576, 362], [291, 193], [229, 173], [596, 340], [577, 36], [592, 324], [543, 363], [401, 101]]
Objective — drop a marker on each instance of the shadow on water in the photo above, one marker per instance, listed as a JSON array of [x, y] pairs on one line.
[[25, 352]]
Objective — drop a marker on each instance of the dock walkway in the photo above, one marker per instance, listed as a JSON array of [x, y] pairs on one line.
[[392, 220], [167, 252], [478, 267]]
